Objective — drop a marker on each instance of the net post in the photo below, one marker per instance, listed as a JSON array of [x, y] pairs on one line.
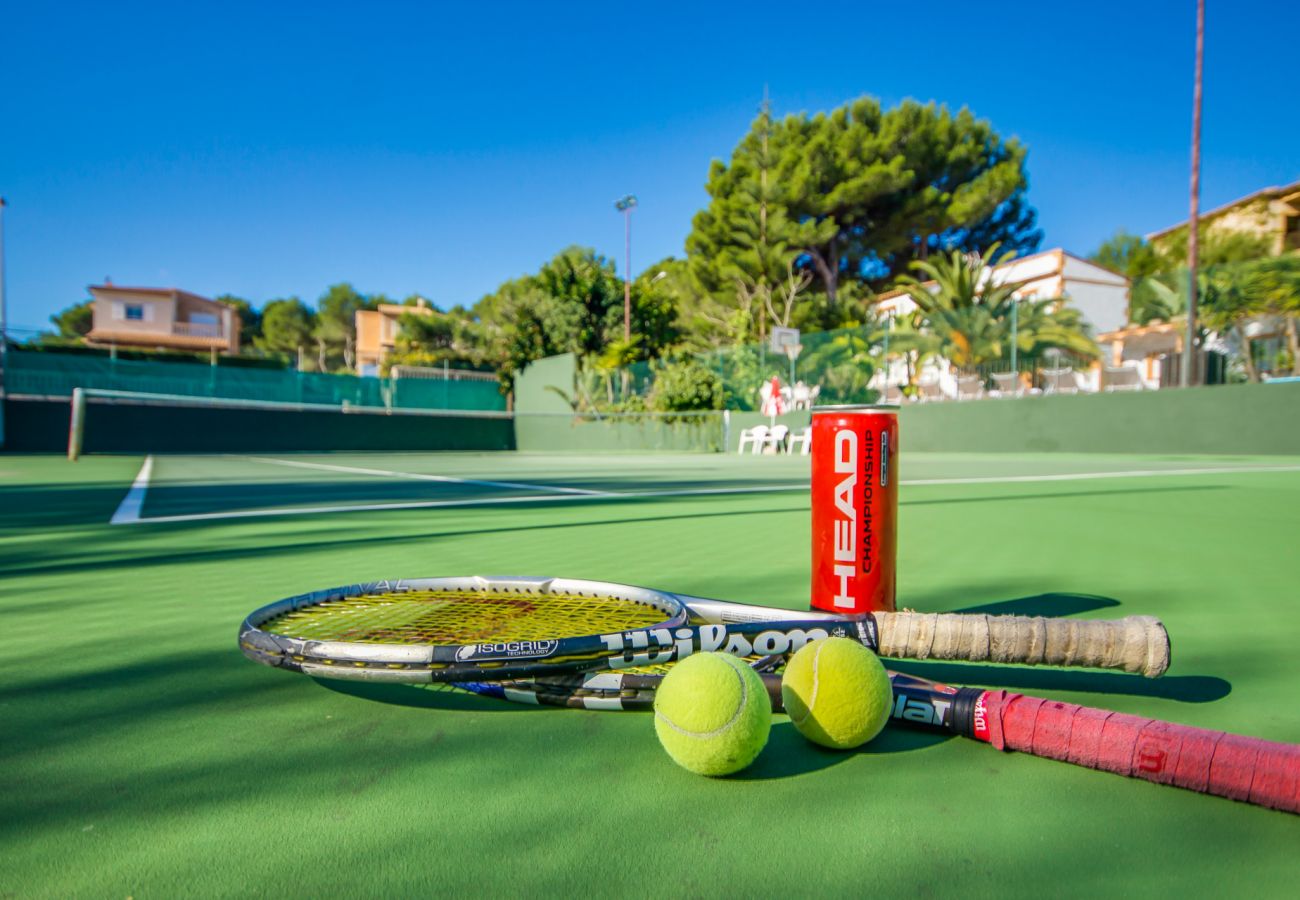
[[77, 424], [726, 431]]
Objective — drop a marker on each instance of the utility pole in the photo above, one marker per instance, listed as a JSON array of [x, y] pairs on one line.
[[1187, 376], [625, 206], [4, 323], [4, 312]]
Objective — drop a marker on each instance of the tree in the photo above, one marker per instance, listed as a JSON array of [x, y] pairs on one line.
[[288, 325], [1127, 254], [860, 192], [703, 320], [515, 321], [336, 323], [1154, 299], [587, 300], [686, 385], [250, 320], [573, 304], [847, 361], [435, 337], [744, 246], [1218, 246], [75, 321], [1274, 283], [655, 311], [1236, 294]]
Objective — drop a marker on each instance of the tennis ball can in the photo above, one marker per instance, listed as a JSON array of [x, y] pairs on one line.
[[854, 508]]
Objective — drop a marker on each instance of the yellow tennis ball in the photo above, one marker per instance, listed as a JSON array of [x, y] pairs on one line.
[[712, 714], [837, 693]]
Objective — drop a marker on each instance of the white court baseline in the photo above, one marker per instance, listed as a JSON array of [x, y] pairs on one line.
[[128, 513]]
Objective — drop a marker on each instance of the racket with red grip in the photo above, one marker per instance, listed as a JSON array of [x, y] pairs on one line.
[[1251, 770]]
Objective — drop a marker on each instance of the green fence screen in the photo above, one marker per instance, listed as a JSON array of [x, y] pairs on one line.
[[56, 374]]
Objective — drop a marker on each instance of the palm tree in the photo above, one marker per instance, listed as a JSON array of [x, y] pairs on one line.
[[1051, 325], [1151, 299], [969, 312], [964, 306]]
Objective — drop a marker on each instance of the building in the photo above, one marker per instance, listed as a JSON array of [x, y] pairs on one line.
[[1156, 348], [1272, 213], [377, 331], [162, 318], [1099, 294]]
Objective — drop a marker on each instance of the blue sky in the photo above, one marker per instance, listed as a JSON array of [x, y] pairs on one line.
[[271, 149]]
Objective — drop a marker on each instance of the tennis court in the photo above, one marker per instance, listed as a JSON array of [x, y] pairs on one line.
[[144, 756]]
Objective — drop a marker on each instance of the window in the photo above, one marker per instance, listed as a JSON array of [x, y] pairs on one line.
[[135, 312]]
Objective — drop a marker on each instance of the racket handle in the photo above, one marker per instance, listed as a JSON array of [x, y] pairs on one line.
[[1133, 644], [1252, 770]]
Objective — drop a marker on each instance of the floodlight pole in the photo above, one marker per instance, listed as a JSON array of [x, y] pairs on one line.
[[1186, 377], [625, 206]]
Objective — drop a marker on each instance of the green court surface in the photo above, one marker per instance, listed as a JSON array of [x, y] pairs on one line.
[[142, 755]]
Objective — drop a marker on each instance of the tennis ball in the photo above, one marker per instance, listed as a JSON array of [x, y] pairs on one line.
[[712, 714], [837, 693]]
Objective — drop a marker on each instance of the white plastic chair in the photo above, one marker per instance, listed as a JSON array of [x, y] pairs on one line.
[[756, 437], [970, 387], [931, 392], [1060, 381], [802, 438], [1122, 378], [776, 438]]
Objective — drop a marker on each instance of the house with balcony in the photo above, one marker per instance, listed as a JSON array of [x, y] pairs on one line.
[[162, 318], [1272, 214], [1156, 348], [377, 332]]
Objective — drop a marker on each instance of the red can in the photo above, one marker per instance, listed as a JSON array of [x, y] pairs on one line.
[[854, 507]]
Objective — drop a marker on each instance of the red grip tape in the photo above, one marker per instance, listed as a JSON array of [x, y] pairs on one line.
[[1212, 762]]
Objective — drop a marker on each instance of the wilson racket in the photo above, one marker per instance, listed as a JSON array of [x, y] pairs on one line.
[[1251, 770], [493, 628]]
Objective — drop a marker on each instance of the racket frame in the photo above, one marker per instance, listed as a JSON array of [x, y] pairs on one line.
[[735, 628]]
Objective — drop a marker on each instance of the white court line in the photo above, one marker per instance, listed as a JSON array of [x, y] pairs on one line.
[[438, 504], [388, 473], [1087, 476], [684, 492], [128, 510]]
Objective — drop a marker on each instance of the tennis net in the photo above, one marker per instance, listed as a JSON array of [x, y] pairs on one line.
[[113, 421], [110, 421]]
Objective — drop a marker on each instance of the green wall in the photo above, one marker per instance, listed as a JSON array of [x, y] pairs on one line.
[[1242, 418], [533, 385]]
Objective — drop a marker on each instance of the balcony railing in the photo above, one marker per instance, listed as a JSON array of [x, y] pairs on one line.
[[197, 329]]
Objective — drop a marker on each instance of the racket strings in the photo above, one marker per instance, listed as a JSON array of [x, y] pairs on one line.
[[448, 617]]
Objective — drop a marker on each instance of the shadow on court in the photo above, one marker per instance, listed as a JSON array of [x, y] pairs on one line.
[[1052, 603], [1183, 688], [943, 501], [788, 753], [426, 696]]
